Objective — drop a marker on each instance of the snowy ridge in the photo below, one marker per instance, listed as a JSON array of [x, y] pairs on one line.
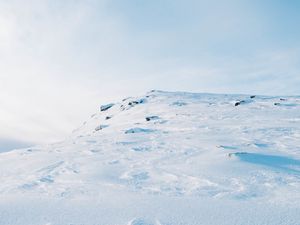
[[227, 147]]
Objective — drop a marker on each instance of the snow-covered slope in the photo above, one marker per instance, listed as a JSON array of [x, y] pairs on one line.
[[164, 158]]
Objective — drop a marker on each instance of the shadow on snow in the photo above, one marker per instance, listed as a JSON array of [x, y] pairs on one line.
[[281, 163]]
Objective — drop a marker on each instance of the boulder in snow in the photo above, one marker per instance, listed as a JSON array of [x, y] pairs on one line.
[[149, 118], [106, 107], [138, 130], [100, 127]]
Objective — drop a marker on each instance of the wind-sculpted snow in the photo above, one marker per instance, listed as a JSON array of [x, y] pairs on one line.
[[235, 148]]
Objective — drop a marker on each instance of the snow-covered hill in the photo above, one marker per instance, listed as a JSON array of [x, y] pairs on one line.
[[164, 158]]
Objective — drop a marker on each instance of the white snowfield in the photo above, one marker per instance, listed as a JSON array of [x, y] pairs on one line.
[[164, 159]]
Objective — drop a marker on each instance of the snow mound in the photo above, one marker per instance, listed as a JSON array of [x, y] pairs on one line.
[[170, 145]]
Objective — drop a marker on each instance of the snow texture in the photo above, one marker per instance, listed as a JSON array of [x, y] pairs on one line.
[[164, 159]]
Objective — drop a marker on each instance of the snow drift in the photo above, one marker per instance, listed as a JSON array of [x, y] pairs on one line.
[[164, 158]]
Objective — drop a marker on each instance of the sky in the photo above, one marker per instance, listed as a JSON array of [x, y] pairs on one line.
[[60, 60]]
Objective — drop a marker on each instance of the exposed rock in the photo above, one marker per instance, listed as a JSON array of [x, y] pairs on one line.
[[100, 127], [239, 102], [124, 99], [132, 103], [148, 118], [106, 107], [138, 130], [135, 102]]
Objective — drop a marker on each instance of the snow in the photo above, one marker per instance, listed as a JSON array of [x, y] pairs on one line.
[[166, 158]]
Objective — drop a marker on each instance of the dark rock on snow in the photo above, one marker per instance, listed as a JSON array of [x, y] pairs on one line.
[[100, 127], [106, 107], [148, 118], [239, 102]]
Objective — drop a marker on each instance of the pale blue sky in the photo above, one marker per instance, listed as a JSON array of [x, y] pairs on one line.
[[59, 60]]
